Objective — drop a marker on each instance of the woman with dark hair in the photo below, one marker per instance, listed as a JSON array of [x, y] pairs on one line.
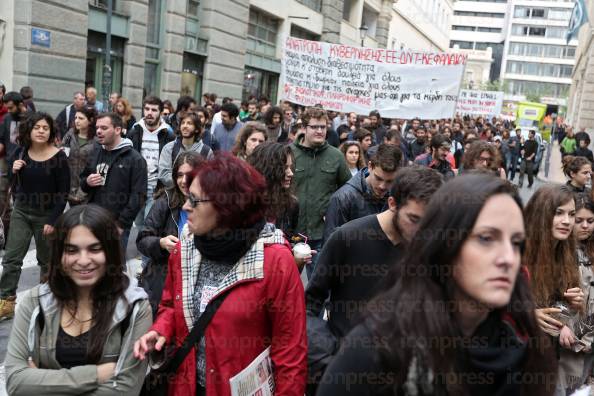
[[461, 309], [273, 119], [75, 333], [575, 358], [351, 149], [41, 184], [550, 256], [579, 171], [251, 135], [276, 162], [226, 253], [163, 226], [78, 143], [189, 138]]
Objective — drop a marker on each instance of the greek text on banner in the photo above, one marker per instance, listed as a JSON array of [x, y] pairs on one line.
[[400, 84], [479, 103]]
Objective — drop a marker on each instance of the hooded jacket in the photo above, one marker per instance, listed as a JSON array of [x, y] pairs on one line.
[[77, 158], [166, 161], [30, 339], [352, 201], [319, 172], [124, 191], [164, 134]]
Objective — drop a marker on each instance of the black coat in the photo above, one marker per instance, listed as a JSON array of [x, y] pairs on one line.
[[124, 192], [135, 135], [160, 222]]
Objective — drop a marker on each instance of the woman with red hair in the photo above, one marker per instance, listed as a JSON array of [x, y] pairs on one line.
[[226, 250]]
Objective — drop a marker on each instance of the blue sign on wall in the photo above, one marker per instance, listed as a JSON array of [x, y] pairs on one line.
[[41, 37]]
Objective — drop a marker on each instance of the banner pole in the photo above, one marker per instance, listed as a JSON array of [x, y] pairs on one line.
[[459, 89]]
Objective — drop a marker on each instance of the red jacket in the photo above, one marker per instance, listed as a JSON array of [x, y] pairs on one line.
[[257, 313]]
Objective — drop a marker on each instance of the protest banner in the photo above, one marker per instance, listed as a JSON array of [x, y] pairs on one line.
[[477, 103], [398, 83]]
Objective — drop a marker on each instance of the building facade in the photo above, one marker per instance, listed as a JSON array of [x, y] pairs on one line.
[[538, 62], [190, 47], [580, 109], [478, 25], [421, 25]]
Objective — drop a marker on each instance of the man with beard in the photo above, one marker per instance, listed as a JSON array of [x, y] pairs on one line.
[[410, 133], [226, 132], [149, 136], [437, 159], [419, 144], [9, 129], [346, 131], [377, 127], [358, 256]]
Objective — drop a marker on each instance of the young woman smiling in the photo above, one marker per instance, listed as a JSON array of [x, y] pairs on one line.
[[74, 334]]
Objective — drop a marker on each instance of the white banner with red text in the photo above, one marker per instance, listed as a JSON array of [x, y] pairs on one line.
[[477, 103], [398, 83]]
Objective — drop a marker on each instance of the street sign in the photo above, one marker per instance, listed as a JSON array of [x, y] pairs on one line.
[[41, 37]]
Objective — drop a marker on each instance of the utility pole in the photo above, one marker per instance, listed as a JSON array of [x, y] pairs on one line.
[[107, 72]]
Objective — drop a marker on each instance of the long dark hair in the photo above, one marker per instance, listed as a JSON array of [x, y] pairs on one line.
[[28, 123], [91, 114], [418, 304], [270, 159], [584, 201], [109, 289], [195, 120], [176, 196], [551, 263]]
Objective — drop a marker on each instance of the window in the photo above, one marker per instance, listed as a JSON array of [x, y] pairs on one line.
[[488, 29], [315, 5], [556, 32], [462, 44], [259, 82], [347, 10], [369, 19], [566, 71], [154, 22], [535, 50], [480, 14], [193, 7], [559, 14], [464, 28], [536, 31], [517, 49], [519, 30], [482, 46], [298, 32], [262, 33], [569, 52], [103, 4], [522, 12], [538, 13]]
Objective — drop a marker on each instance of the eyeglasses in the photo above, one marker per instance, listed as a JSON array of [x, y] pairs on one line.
[[195, 201], [318, 127]]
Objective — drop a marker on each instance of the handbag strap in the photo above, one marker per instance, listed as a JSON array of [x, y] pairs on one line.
[[197, 332]]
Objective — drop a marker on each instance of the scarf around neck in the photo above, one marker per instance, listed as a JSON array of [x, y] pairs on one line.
[[229, 246]]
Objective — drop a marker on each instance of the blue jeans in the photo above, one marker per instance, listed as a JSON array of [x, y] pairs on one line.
[[124, 241]]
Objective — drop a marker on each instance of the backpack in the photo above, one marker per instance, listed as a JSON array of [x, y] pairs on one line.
[[177, 147]]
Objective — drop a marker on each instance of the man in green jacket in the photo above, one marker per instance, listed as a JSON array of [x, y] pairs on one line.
[[320, 170]]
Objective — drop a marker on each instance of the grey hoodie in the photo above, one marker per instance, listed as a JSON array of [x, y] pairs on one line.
[[28, 340], [166, 162]]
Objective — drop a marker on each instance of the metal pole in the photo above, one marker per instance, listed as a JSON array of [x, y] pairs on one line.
[[107, 68]]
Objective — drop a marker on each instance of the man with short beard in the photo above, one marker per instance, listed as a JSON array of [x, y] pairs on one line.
[[419, 144], [149, 136], [360, 254]]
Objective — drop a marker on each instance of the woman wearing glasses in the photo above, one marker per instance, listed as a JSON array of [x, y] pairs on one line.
[[163, 227], [226, 250]]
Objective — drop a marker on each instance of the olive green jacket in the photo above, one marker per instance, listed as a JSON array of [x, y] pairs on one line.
[[319, 172]]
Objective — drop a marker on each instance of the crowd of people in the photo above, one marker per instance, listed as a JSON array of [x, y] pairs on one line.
[[426, 274]]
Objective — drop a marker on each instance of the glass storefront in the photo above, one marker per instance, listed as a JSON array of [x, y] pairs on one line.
[[192, 74], [260, 82], [96, 62]]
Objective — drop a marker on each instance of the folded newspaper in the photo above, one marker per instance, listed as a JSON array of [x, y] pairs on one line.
[[257, 379]]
